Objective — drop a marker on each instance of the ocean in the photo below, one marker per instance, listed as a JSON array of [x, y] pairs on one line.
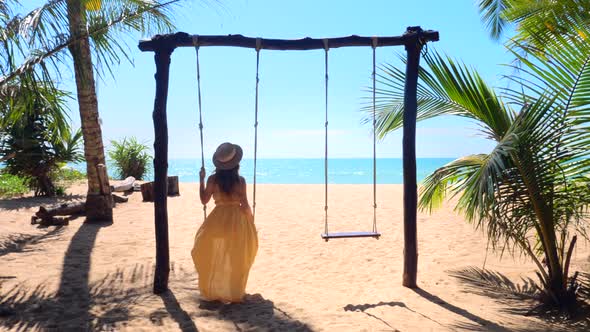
[[306, 171]]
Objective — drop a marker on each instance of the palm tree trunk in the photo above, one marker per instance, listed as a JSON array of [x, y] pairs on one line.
[[556, 283], [98, 205]]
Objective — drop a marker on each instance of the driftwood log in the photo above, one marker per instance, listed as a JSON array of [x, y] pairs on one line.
[[120, 199], [147, 189], [47, 216], [124, 185]]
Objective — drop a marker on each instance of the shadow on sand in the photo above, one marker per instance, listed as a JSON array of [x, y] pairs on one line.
[[255, 313], [476, 323], [521, 298], [69, 307], [15, 204], [181, 317], [108, 303], [479, 322], [364, 307], [16, 243]]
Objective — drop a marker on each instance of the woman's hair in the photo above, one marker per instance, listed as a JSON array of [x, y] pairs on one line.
[[227, 179]]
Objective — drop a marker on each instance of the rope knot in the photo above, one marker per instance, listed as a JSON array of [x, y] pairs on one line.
[[200, 126], [196, 41], [374, 42], [326, 46]]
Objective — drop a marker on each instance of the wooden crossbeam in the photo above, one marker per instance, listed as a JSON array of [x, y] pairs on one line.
[[182, 39]]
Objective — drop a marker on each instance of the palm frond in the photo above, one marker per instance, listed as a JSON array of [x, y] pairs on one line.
[[445, 88], [43, 34], [492, 15]]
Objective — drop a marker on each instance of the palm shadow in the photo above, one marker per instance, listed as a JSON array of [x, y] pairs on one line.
[[16, 204], [523, 298], [19, 243], [257, 313], [115, 294], [69, 307]]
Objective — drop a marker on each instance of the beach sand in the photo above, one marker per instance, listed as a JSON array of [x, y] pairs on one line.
[[99, 277]]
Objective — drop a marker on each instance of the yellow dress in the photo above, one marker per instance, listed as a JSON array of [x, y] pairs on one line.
[[224, 250]]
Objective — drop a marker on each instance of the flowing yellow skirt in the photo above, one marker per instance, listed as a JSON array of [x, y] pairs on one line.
[[224, 250]]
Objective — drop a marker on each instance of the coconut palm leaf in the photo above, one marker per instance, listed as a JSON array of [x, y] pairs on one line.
[[539, 21], [445, 88], [492, 15], [535, 21], [46, 34]]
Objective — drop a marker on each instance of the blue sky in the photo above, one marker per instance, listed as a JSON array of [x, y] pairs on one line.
[[291, 86]]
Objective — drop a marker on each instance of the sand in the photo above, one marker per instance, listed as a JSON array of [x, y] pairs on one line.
[[99, 277]]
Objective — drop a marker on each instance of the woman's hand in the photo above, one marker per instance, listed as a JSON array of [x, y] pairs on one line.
[[202, 174]]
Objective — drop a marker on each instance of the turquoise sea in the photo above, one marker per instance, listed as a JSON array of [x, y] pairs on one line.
[[307, 171]]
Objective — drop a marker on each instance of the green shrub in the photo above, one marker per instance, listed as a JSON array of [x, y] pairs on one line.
[[66, 174], [12, 185], [130, 158], [64, 177]]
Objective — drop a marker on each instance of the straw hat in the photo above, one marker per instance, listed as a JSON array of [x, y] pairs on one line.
[[227, 156]]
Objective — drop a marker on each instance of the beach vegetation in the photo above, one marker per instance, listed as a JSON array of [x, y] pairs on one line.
[[91, 37], [130, 158], [35, 135], [531, 193], [12, 185]]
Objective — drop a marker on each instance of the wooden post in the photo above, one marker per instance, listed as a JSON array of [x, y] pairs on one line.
[[147, 191], [413, 48], [162, 58], [173, 189]]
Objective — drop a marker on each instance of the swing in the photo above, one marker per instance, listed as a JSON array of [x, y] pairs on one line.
[[326, 235], [164, 45], [258, 47], [343, 235]]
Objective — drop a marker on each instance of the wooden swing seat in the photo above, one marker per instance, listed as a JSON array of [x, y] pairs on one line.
[[345, 235]]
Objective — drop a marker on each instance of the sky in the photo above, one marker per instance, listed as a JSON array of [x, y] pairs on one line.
[[291, 99]]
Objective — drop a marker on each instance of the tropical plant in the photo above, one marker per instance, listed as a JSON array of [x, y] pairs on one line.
[[531, 193], [535, 20], [12, 185], [87, 29], [35, 137], [130, 158]]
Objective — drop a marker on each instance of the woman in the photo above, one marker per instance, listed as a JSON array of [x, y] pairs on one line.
[[227, 242]]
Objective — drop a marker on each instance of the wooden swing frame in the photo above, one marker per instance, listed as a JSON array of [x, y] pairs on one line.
[[164, 45]]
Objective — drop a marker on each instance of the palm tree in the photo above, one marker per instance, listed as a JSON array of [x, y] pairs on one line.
[[529, 194], [87, 29]]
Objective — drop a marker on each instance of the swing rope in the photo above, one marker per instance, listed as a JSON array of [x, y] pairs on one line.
[[258, 47], [326, 236], [374, 45], [196, 44], [326, 48]]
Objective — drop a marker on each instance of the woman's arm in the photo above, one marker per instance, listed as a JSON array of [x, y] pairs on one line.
[[205, 193], [244, 199]]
